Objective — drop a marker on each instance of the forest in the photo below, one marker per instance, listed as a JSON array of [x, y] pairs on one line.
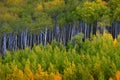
[[59, 39]]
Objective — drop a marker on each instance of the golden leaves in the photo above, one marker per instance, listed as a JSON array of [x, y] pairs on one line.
[[54, 3], [57, 77], [115, 42], [28, 73], [110, 78], [107, 36], [21, 75], [116, 77], [51, 6], [39, 7], [102, 2], [14, 1]]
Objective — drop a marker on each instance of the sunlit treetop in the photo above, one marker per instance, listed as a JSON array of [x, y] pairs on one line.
[[114, 5], [41, 13], [92, 11], [54, 7], [54, 3], [102, 2], [14, 2], [116, 16], [40, 7]]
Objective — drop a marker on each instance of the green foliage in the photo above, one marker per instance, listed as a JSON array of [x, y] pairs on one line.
[[114, 6], [92, 11], [19, 14]]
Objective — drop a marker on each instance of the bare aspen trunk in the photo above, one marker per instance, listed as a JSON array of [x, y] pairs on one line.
[[45, 37], [4, 45]]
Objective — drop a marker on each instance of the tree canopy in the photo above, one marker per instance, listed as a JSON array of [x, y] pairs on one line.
[[17, 15]]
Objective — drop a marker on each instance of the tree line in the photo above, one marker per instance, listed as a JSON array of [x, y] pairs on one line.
[[28, 22]]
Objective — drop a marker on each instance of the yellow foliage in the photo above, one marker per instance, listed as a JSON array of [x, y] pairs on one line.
[[102, 2], [28, 73], [117, 76], [18, 74], [108, 36], [59, 2], [115, 42], [86, 3], [92, 78], [40, 74], [39, 7], [57, 77], [7, 17], [39, 68], [21, 75], [37, 76], [14, 1], [110, 78], [37, 49], [54, 3]]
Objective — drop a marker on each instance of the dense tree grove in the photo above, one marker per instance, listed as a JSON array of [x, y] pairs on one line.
[[28, 22], [59, 39]]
